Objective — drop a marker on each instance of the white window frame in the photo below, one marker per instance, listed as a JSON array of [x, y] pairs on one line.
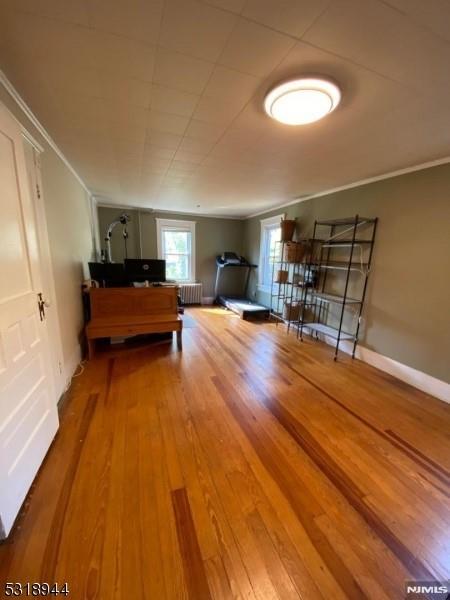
[[266, 224], [176, 225]]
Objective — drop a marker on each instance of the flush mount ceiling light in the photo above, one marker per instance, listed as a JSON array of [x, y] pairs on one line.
[[301, 101]]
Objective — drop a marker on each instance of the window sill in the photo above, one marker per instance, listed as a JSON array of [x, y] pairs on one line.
[[265, 289]]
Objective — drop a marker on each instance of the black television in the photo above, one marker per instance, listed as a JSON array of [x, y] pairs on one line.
[[108, 274], [145, 269]]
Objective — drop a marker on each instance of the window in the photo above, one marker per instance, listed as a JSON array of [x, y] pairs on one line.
[[270, 234], [176, 245]]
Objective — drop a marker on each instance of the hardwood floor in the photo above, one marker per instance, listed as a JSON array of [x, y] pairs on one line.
[[248, 466]]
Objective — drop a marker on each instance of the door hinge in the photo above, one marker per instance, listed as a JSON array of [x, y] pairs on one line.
[[38, 191]]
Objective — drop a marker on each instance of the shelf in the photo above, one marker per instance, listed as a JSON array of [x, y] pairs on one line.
[[348, 221], [279, 316], [344, 243], [327, 330], [296, 285], [341, 265], [289, 262], [335, 298]]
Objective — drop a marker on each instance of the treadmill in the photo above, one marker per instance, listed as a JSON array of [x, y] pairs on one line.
[[239, 304]]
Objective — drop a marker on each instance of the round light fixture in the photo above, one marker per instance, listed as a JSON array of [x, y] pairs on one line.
[[301, 101]]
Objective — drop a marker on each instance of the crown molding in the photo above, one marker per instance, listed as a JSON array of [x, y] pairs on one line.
[[46, 136], [348, 186], [30, 139], [105, 204], [38, 126]]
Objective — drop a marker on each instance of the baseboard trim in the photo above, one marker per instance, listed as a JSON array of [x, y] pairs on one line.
[[71, 366], [207, 300], [418, 379], [2, 531]]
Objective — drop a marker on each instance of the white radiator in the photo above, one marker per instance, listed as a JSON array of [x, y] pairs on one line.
[[191, 293]]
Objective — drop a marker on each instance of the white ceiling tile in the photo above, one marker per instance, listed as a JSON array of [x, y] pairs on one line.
[[150, 180], [72, 11], [135, 19], [217, 110], [255, 49], [195, 146], [153, 163], [380, 38], [124, 115], [97, 146], [24, 34], [173, 180], [154, 169], [127, 133], [288, 16], [201, 130], [163, 139], [152, 152], [119, 55], [82, 112], [194, 28], [235, 6], [174, 176], [111, 100], [181, 72], [230, 84], [128, 149], [192, 157], [167, 123], [125, 90], [173, 101], [433, 15], [181, 167], [363, 91], [82, 80]]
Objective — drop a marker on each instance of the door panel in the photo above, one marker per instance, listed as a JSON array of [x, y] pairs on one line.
[[15, 280], [28, 414]]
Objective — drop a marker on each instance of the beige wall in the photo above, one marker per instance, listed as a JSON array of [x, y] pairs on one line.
[[67, 210], [406, 316], [213, 236]]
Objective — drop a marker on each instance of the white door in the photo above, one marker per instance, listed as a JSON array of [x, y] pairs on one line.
[[28, 413], [32, 162]]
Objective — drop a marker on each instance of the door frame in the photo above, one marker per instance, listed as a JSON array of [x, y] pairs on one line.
[[48, 281]]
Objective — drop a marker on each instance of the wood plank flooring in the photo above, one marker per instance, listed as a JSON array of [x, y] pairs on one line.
[[248, 466]]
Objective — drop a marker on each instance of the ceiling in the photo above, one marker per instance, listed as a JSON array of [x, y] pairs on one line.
[[158, 103]]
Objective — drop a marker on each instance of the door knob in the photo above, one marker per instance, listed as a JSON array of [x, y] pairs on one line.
[[42, 305]]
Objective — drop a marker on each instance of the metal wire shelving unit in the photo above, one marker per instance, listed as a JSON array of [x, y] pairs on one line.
[[290, 292], [341, 254]]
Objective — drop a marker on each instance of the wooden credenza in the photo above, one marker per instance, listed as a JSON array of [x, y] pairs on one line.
[[117, 312]]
